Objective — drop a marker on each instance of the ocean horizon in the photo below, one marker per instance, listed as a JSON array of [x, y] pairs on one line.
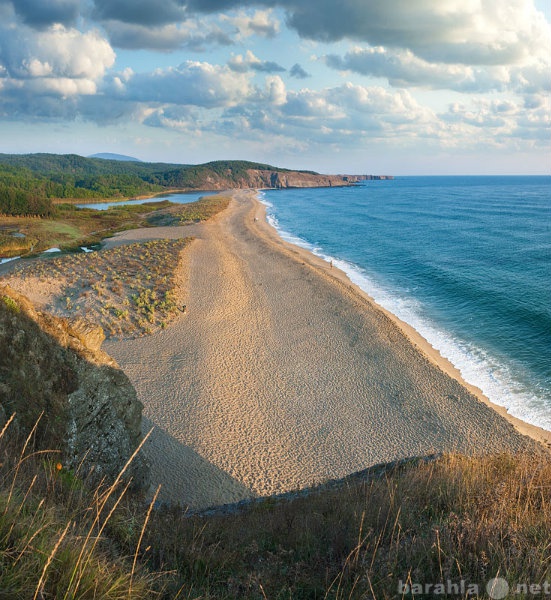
[[464, 260]]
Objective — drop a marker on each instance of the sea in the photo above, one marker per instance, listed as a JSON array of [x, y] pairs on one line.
[[466, 261]]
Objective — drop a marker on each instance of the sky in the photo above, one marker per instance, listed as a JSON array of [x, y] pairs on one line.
[[398, 87]]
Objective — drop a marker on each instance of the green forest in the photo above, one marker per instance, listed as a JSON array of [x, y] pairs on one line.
[[30, 182]]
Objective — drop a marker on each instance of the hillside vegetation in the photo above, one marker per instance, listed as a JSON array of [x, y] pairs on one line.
[[29, 183]]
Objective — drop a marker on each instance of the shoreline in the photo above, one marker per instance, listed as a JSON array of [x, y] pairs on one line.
[[282, 374], [537, 433]]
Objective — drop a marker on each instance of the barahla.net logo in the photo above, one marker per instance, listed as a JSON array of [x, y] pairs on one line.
[[497, 589]]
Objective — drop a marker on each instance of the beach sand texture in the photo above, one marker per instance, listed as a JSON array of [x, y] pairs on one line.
[[280, 376]]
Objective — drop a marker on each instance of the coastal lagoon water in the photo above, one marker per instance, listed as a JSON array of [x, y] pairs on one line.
[[465, 260], [177, 198]]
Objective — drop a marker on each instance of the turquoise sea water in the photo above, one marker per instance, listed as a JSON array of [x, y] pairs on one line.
[[465, 260]]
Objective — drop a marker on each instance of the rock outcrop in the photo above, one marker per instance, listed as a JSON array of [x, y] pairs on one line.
[[298, 179], [259, 178], [54, 367]]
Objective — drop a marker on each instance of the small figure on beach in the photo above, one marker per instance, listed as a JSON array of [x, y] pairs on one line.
[[255, 219], [184, 308], [331, 264]]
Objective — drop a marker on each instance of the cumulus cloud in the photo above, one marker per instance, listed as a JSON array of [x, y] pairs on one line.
[[249, 62], [56, 54], [449, 31], [40, 14], [184, 119], [504, 120], [166, 38], [44, 74], [192, 83], [343, 114], [260, 23], [404, 69], [172, 28]]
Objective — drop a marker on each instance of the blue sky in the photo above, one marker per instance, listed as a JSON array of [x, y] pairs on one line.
[[348, 86]]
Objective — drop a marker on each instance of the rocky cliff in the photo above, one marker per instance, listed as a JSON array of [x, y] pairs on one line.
[[54, 367], [230, 178], [298, 179]]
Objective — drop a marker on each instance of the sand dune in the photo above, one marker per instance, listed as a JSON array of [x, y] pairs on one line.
[[281, 374]]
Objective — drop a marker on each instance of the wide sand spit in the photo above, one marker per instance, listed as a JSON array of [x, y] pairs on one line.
[[282, 374]]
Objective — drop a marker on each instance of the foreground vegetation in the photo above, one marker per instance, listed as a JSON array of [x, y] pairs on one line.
[[454, 519]]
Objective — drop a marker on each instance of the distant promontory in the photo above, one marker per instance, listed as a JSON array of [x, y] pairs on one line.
[[30, 182]]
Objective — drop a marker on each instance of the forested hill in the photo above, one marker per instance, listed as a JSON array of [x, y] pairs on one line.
[[29, 182]]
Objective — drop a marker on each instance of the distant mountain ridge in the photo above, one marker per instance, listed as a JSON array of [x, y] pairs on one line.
[[111, 156]]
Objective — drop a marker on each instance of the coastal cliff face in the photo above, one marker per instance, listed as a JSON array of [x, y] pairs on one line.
[[295, 179], [54, 367], [257, 178]]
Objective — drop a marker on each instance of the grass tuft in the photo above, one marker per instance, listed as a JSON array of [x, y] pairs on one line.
[[451, 520]]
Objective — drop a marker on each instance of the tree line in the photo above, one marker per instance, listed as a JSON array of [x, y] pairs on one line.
[[29, 182]]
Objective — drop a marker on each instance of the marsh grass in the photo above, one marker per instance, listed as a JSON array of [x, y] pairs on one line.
[[71, 227], [13, 246]]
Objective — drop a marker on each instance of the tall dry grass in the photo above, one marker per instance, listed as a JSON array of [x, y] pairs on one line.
[[450, 520], [52, 530]]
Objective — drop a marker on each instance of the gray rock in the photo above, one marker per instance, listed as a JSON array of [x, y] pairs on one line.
[[55, 368]]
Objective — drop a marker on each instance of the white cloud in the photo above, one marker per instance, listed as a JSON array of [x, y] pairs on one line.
[[192, 83], [249, 62], [401, 68], [503, 121], [261, 23], [192, 34], [56, 53], [276, 93], [72, 53], [475, 32]]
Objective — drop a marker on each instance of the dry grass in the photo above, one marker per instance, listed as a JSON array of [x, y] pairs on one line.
[[455, 519], [52, 542], [128, 290], [194, 212]]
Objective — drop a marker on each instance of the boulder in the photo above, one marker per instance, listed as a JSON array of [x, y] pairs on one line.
[[54, 367]]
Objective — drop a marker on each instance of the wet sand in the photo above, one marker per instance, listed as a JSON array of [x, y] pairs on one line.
[[282, 374]]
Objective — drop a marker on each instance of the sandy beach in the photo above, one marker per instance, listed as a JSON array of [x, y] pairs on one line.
[[282, 373]]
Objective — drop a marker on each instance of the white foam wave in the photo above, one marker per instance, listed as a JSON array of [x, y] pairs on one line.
[[476, 365]]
